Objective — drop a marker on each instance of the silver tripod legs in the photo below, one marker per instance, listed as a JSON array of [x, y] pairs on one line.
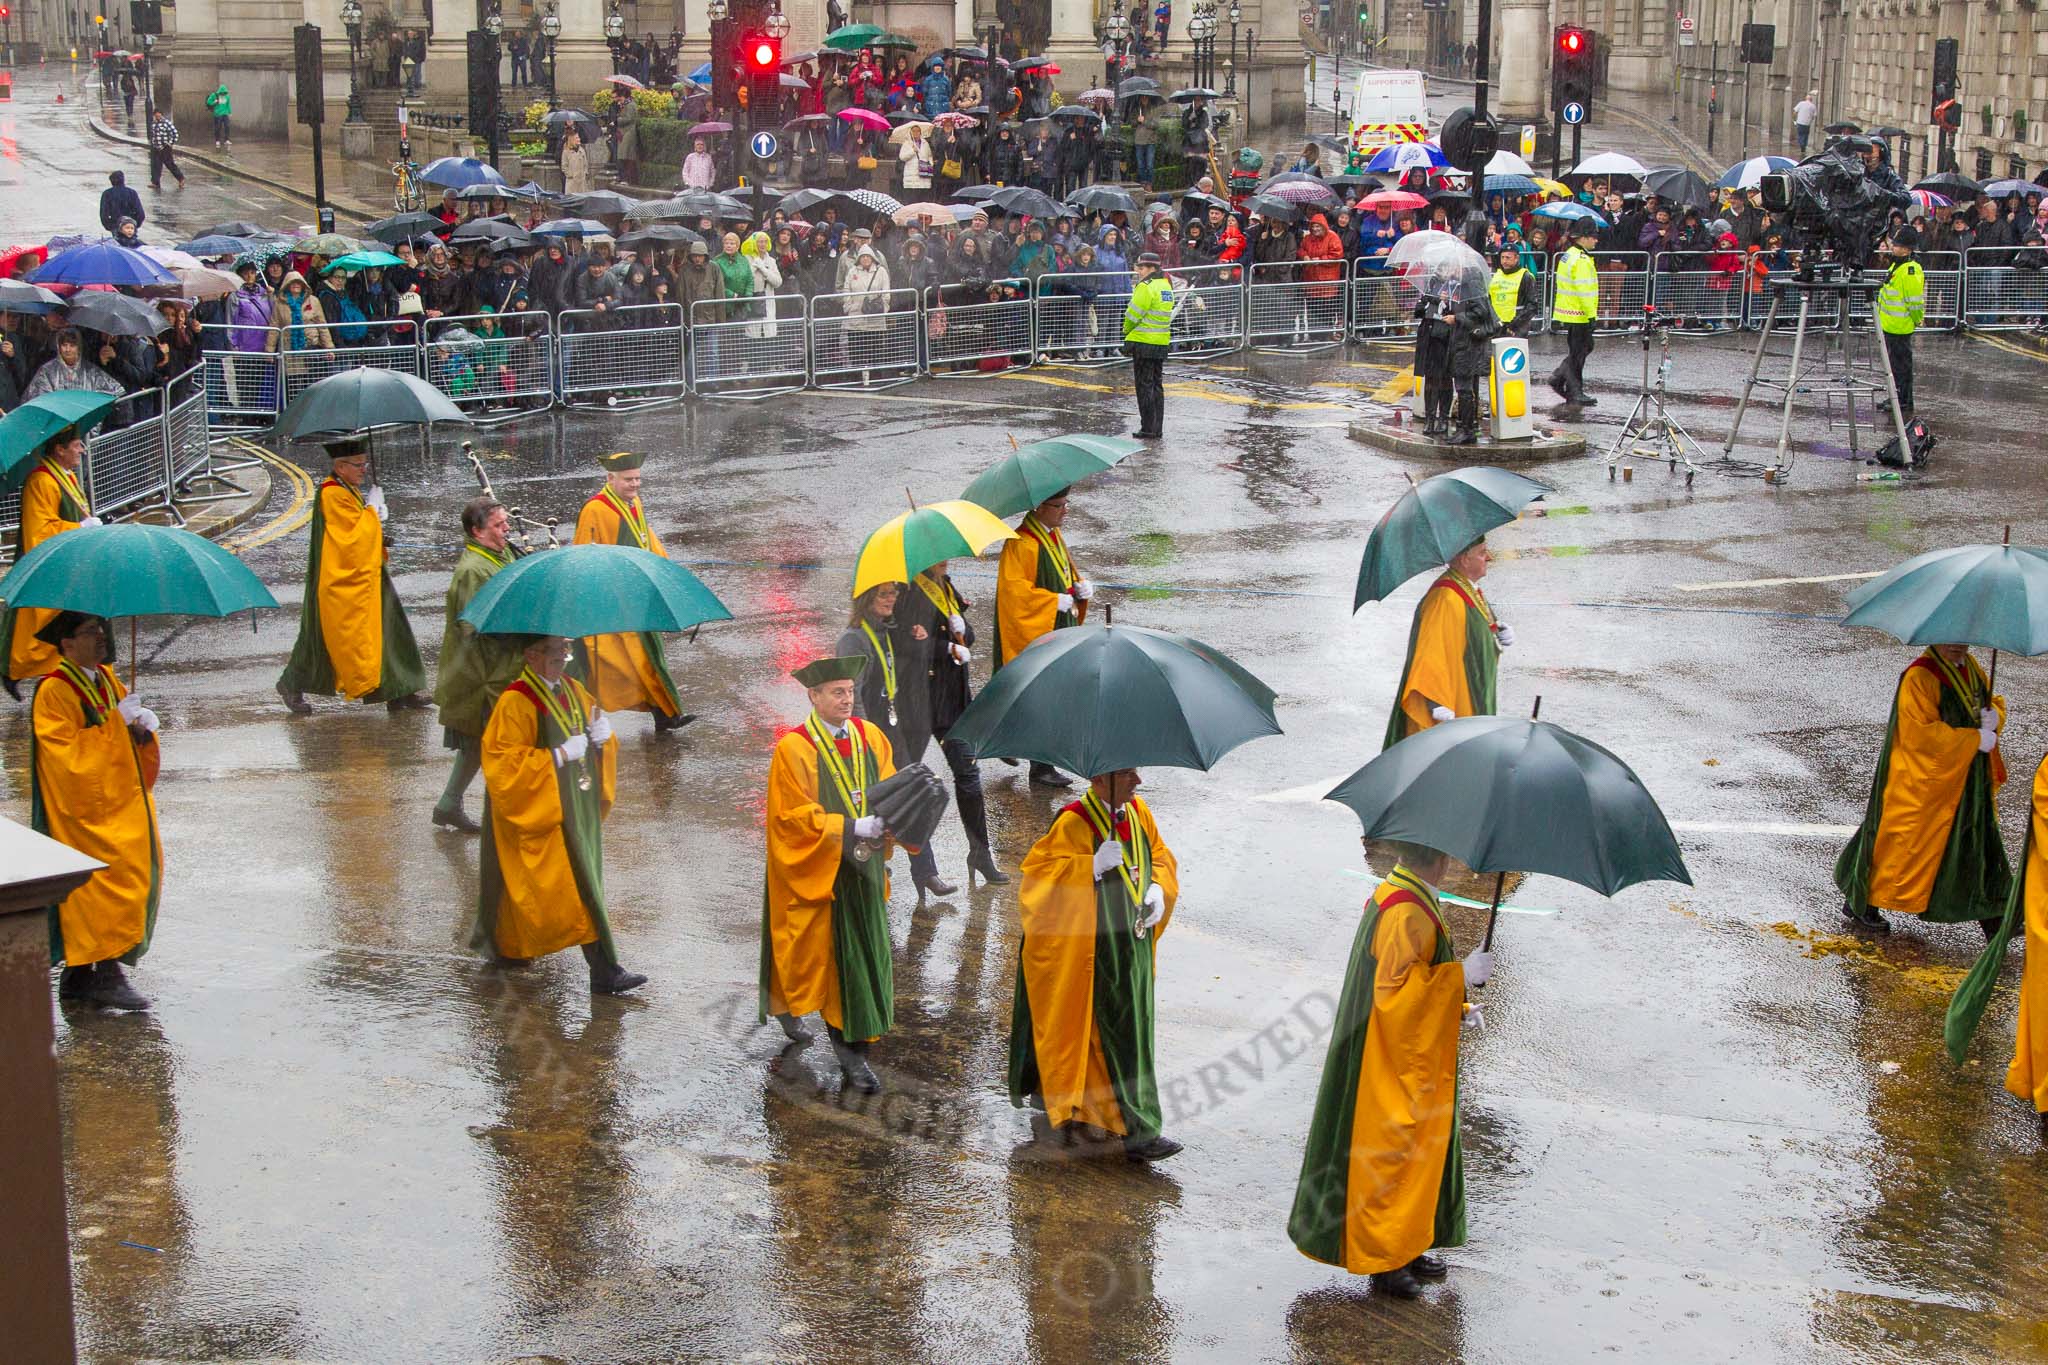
[[1651, 432]]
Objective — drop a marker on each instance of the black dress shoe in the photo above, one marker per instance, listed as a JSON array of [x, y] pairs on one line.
[[74, 983], [1400, 1283], [1045, 775], [1871, 923], [1586, 400], [663, 724], [1158, 1149], [795, 1029], [110, 990], [294, 702], [935, 885], [412, 701], [857, 1074], [457, 820], [1557, 387], [982, 864], [1428, 1267], [613, 980]]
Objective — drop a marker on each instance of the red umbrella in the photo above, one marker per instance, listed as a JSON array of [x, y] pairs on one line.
[[1394, 200], [12, 255], [867, 118]]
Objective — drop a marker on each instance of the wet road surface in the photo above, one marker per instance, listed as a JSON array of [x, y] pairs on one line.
[[1696, 1127]]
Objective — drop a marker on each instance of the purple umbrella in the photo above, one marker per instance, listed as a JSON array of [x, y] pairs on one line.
[[1302, 192], [714, 126]]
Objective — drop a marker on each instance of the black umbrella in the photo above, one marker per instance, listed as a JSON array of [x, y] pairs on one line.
[[910, 803], [749, 191], [1952, 185], [1024, 199], [1889, 131], [975, 194], [801, 201], [1193, 92], [19, 296], [1352, 180], [488, 230], [236, 227], [599, 203], [1843, 128], [1266, 206], [1136, 85], [1677, 185], [403, 227], [1077, 112], [572, 118], [661, 234], [1102, 199], [480, 194], [1030, 63], [1292, 178], [972, 54], [115, 315]]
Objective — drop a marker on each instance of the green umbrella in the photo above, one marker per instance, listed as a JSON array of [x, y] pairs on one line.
[[1974, 595], [894, 40], [1094, 699], [1035, 472], [326, 244], [1505, 795], [362, 399], [25, 431], [133, 569], [1434, 520], [592, 590], [364, 260], [854, 37]]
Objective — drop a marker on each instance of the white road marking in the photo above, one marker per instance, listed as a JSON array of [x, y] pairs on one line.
[[1786, 828], [1776, 582]]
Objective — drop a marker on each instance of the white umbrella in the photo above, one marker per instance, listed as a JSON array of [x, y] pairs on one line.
[[1609, 163], [170, 259], [1747, 175], [1507, 163], [202, 282]]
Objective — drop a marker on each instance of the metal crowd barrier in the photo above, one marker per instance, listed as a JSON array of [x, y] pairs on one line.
[[2000, 295], [392, 345], [1624, 290], [241, 386], [965, 336], [493, 365], [1708, 300], [1208, 310], [1944, 271], [1284, 312], [1383, 303], [866, 341], [1080, 316], [740, 349], [607, 352]]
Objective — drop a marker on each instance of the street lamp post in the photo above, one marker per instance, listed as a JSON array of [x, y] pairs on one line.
[[550, 30], [615, 34], [1230, 72], [352, 20], [149, 111], [1119, 29], [494, 28]]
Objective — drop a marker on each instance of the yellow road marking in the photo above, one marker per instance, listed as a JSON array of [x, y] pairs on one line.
[[296, 514], [1397, 388], [2002, 344], [1184, 388]]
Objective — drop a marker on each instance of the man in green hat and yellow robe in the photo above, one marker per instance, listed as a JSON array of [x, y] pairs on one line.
[[353, 635], [825, 943], [626, 672], [1383, 1176], [1454, 646], [474, 668], [1039, 589], [52, 502], [1098, 890]]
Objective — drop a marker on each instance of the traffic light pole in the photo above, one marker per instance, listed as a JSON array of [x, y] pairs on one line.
[[1475, 221]]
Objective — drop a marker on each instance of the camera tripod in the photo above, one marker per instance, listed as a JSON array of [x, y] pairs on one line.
[[1651, 431], [1834, 375]]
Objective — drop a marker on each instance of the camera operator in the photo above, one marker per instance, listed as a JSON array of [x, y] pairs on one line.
[[1877, 169], [1901, 304]]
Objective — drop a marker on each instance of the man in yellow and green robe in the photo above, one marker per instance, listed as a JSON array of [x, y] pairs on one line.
[[1929, 843], [93, 761], [825, 943], [2027, 1077], [1038, 590], [626, 672], [53, 501], [353, 635], [1454, 645], [474, 668], [1098, 890], [550, 770], [1383, 1176]]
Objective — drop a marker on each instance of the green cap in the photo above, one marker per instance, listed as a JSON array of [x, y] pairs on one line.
[[818, 672], [622, 459], [347, 447]]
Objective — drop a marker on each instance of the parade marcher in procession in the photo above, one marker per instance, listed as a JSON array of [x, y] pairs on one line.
[[893, 693], [1148, 335], [1383, 1172], [474, 668], [2027, 1077], [1096, 895], [1576, 306], [550, 766], [626, 672], [1038, 589], [1929, 843], [935, 603], [1454, 648], [353, 635], [825, 908], [93, 760], [52, 501]]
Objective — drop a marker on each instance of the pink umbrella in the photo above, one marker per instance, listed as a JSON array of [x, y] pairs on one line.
[[1302, 192], [950, 119], [1096, 97], [701, 129], [866, 118], [626, 81]]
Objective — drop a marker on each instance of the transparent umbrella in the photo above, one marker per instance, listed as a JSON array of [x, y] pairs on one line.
[[1440, 263]]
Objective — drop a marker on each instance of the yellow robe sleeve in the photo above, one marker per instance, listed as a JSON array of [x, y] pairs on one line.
[[351, 591], [654, 539], [2027, 1077], [1436, 674], [93, 802], [1930, 760], [1024, 611], [1407, 1093]]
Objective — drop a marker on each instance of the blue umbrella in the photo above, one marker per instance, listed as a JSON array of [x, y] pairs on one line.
[[572, 227], [2001, 189], [1973, 595], [701, 76], [215, 244], [1512, 184], [459, 173], [102, 263], [1565, 211], [1407, 156], [1748, 174]]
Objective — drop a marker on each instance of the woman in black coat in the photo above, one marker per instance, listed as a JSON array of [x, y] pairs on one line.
[[893, 694], [933, 605], [1435, 310]]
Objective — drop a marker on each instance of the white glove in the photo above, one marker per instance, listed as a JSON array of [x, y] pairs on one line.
[[956, 623], [1066, 605], [89, 520], [375, 502], [571, 749], [600, 728], [868, 827], [1083, 590], [1987, 739], [1155, 906], [960, 653], [1987, 719], [129, 708], [145, 718], [1440, 714], [1503, 634], [1109, 855], [1475, 1018], [1478, 966]]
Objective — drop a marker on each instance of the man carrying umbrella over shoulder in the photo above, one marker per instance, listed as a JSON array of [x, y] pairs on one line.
[[1383, 1175], [93, 760], [1454, 646], [353, 635], [52, 502], [1929, 843], [1038, 589], [1097, 892], [627, 672], [825, 906], [550, 775], [474, 668]]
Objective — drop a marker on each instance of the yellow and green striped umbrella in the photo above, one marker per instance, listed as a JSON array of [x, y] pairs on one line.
[[907, 545]]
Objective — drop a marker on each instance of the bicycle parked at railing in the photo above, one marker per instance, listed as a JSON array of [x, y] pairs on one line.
[[406, 196]]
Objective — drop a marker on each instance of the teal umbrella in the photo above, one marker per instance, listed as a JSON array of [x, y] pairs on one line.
[[25, 431], [364, 260], [1033, 473], [363, 399], [1506, 795], [133, 569], [592, 590], [1990, 595], [1434, 520], [1094, 699]]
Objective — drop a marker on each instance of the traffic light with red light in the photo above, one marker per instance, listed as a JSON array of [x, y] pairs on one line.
[[1571, 67], [763, 56]]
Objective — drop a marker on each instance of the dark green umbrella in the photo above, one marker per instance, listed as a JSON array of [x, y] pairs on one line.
[[592, 590], [363, 399], [1434, 520], [1972, 595], [25, 431], [1035, 472], [1094, 699], [1506, 795]]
